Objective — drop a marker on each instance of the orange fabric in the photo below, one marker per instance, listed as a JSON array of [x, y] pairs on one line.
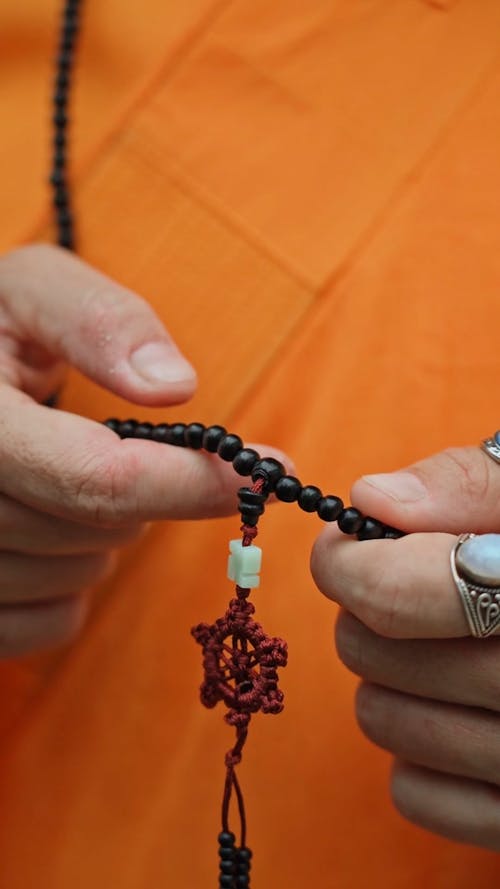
[[307, 194]]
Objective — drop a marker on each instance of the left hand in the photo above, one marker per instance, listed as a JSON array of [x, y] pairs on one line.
[[430, 693]]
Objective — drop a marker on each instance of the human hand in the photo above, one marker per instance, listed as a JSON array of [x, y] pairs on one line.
[[429, 694], [70, 490]]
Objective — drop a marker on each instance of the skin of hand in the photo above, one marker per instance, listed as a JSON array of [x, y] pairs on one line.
[[70, 491], [430, 694]]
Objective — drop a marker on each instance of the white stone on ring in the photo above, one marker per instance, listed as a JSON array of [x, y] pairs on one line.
[[475, 565]]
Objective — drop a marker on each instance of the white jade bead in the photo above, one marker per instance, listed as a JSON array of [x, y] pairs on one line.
[[244, 564]]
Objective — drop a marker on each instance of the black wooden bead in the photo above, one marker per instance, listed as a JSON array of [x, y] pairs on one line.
[[226, 853], [64, 218], [72, 18], [60, 98], [65, 239], [226, 838], [243, 865], [244, 853], [177, 434], [270, 470], [350, 520], [60, 198], [59, 160], [392, 533], [70, 26], [52, 400], [193, 435], [288, 488], [143, 430], [229, 446], [309, 498], [62, 81], [161, 433], [245, 460], [67, 41], [65, 60], [226, 881], [227, 867], [113, 424], [249, 510], [60, 119], [127, 428], [329, 508], [242, 881], [249, 519], [212, 437], [57, 178], [371, 529], [246, 495]]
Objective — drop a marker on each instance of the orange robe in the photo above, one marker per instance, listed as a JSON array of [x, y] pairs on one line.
[[308, 194]]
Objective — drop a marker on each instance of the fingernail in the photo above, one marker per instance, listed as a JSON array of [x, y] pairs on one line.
[[159, 363], [404, 487]]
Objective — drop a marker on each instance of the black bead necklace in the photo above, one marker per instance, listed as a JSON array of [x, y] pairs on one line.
[[62, 88], [247, 462], [214, 439], [240, 660]]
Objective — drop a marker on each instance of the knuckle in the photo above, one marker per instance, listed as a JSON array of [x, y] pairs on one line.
[[401, 796], [103, 492], [349, 642], [473, 474], [371, 717], [384, 605], [318, 563]]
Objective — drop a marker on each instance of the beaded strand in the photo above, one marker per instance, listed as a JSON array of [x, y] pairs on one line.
[[60, 100], [247, 462]]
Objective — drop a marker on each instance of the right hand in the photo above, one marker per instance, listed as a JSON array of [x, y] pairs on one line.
[[70, 490]]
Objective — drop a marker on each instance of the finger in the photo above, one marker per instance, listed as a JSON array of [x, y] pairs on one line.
[[74, 468], [51, 298], [457, 808], [444, 737], [35, 627], [38, 578], [25, 530], [456, 490], [459, 671], [28, 366], [398, 588]]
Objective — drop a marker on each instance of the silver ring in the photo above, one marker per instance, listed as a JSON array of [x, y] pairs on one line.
[[475, 566], [492, 446]]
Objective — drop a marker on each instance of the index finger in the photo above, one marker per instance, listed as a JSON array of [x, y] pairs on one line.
[[77, 469], [398, 588]]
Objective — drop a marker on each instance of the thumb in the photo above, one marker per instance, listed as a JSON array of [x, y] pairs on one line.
[[456, 490], [50, 298]]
